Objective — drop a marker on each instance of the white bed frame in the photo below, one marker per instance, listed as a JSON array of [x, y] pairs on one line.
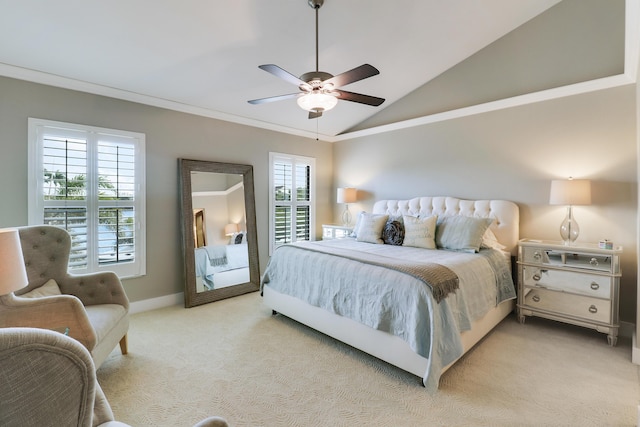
[[383, 345]]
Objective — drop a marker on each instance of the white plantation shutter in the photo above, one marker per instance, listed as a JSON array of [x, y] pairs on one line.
[[90, 181], [291, 201]]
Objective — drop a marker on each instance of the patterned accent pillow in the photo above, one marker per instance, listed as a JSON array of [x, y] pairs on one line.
[[461, 233], [420, 232], [370, 228], [238, 239], [393, 232]]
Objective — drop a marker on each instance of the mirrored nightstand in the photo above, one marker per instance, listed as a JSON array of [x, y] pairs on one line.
[[335, 231]]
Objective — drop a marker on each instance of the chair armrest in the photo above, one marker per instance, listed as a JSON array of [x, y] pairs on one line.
[[103, 287], [54, 312]]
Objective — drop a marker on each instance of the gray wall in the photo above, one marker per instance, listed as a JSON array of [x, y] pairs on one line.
[[513, 154], [169, 135]]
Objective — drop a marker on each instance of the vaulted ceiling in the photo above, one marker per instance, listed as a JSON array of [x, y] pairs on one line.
[[202, 56]]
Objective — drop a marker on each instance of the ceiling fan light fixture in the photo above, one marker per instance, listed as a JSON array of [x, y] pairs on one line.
[[317, 101], [319, 90]]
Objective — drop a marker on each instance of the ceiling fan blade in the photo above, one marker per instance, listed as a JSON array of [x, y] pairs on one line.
[[273, 98], [351, 76], [360, 98], [284, 75], [315, 114]]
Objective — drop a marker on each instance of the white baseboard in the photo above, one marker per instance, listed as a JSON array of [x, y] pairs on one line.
[[635, 351], [155, 303]]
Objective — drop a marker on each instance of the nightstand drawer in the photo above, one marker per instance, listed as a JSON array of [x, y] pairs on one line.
[[579, 283], [567, 258], [593, 309]]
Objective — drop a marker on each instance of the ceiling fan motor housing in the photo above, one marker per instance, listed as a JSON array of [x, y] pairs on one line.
[[315, 79]]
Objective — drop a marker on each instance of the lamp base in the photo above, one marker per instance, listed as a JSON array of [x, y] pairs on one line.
[[346, 216], [569, 229]]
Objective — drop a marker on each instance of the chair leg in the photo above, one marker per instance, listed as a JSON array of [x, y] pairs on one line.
[[123, 345]]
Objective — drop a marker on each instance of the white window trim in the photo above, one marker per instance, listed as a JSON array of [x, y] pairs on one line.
[[312, 199], [35, 187]]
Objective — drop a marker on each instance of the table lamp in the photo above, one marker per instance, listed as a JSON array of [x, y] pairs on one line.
[[347, 195], [570, 192], [13, 275], [230, 229]]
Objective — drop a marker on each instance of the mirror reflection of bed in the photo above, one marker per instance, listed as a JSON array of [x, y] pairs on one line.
[[221, 254]]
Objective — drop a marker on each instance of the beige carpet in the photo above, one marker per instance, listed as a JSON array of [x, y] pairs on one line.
[[232, 358]]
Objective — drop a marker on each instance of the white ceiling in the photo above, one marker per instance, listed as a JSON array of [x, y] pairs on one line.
[[202, 56]]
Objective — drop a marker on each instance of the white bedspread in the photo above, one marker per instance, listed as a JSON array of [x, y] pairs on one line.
[[389, 300], [218, 258]]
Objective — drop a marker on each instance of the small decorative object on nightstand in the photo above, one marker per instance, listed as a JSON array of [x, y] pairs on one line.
[[335, 231], [577, 284]]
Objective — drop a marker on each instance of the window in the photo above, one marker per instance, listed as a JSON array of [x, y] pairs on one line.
[[90, 181], [291, 199]]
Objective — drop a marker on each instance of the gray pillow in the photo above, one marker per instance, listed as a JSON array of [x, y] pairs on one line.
[[461, 233]]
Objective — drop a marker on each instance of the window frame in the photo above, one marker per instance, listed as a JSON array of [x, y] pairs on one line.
[[294, 203], [37, 129]]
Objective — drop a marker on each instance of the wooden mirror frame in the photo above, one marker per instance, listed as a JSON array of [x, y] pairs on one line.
[[191, 297]]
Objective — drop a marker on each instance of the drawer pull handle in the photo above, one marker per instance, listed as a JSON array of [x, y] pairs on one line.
[[595, 286], [593, 309], [536, 298], [537, 256], [536, 277], [593, 262]]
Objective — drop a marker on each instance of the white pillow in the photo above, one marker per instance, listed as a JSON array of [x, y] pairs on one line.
[[370, 228], [354, 232], [49, 289], [461, 233], [490, 241], [420, 232]]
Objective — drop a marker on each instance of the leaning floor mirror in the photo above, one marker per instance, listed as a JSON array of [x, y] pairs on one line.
[[219, 235]]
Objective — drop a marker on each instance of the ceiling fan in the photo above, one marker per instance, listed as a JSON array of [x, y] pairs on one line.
[[318, 90]]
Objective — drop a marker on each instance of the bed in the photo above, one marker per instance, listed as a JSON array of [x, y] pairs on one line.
[[218, 266], [378, 297]]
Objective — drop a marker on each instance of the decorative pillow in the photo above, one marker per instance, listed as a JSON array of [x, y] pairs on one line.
[[393, 231], [461, 233], [420, 232], [49, 289], [490, 241], [239, 238], [370, 228]]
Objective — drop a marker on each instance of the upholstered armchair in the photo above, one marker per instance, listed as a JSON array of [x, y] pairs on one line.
[[93, 308], [49, 379]]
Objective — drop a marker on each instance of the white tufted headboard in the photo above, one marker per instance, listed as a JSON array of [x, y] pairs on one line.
[[506, 226]]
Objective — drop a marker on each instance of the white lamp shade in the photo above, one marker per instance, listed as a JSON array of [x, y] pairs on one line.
[[570, 192], [347, 195], [317, 101], [229, 229], [13, 275]]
